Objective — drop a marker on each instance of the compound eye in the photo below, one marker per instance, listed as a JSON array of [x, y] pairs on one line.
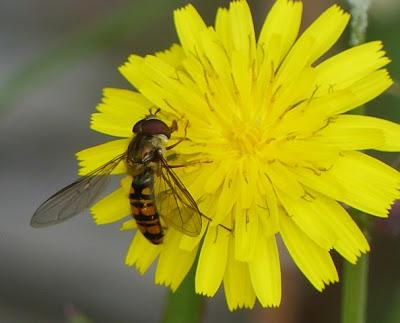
[[137, 127], [155, 127]]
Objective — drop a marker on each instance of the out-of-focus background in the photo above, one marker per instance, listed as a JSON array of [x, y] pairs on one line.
[[55, 58]]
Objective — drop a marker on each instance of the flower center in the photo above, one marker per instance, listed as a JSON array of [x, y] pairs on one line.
[[246, 138]]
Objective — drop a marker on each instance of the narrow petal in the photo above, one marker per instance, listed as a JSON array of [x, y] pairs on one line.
[[305, 212], [246, 231], [228, 195], [358, 180], [351, 65], [141, 253], [212, 262], [313, 260], [168, 273], [327, 223], [248, 176], [188, 24], [350, 242], [297, 89], [282, 179], [172, 56], [189, 243], [267, 206], [243, 36], [324, 31], [159, 83], [336, 135], [297, 60], [265, 272], [280, 29], [365, 125], [114, 206], [128, 225], [119, 111], [94, 157], [223, 28], [355, 95], [238, 288]]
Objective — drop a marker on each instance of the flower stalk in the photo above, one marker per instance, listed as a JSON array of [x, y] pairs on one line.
[[184, 305], [355, 287], [355, 277]]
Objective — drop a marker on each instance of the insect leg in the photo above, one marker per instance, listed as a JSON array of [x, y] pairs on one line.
[[173, 128], [190, 163]]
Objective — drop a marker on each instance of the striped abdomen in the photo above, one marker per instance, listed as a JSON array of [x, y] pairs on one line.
[[143, 207]]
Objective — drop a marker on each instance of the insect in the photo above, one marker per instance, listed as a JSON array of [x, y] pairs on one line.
[[156, 189]]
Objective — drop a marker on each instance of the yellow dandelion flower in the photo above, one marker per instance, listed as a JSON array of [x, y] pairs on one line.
[[268, 117]]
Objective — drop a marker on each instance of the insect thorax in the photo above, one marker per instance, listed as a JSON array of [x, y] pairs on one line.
[[145, 151]]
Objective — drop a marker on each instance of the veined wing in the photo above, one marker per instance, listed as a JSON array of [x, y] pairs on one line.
[[76, 197], [174, 203]]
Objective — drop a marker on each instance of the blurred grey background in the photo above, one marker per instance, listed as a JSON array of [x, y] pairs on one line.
[[55, 58]]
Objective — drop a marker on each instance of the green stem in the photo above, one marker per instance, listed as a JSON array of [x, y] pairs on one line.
[[354, 291], [355, 277], [184, 305], [355, 280]]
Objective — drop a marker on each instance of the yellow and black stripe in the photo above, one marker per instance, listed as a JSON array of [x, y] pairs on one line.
[[144, 211]]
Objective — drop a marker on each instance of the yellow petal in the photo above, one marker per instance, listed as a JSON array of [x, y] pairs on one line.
[[336, 135], [247, 179], [267, 208], [278, 174], [242, 75], [305, 212], [215, 76], [173, 56], [389, 131], [368, 88], [297, 60], [188, 24], [189, 243], [168, 273], [360, 92], [141, 253], [280, 27], [351, 65], [265, 272], [119, 111], [241, 23], [314, 261], [159, 83], [327, 223], [227, 197], [358, 180], [349, 240], [97, 156], [246, 230], [223, 28], [128, 225], [212, 262], [325, 31], [238, 288], [114, 206], [299, 88]]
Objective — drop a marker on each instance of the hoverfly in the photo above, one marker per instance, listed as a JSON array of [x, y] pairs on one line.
[[155, 187]]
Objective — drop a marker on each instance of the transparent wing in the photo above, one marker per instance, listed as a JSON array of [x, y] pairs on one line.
[[174, 203], [76, 197]]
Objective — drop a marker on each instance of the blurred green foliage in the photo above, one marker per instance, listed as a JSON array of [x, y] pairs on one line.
[[104, 32]]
